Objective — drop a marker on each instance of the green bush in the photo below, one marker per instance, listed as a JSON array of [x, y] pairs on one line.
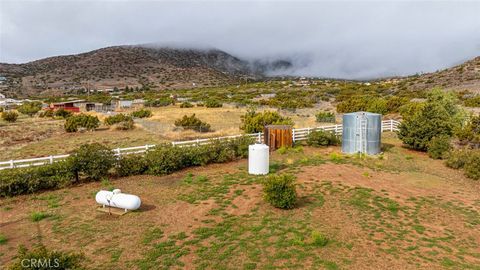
[[473, 102], [377, 105], [322, 138], [125, 125], [439, 116], [212, 103], [165, 159], [192, 122], [131, 165], [253, 122], [186, 105], [32, 179], [162, 102], [30, 108], [319, 239], [10, 116], [438, 147], [1, 109], [88, 122], [46, 113], [279, 191], [92, 160], [62, 113], [325, 117], [457, 159], [41, 258], [469, 134], [395, 103], [472, 166], [115, 119], [142, 113]]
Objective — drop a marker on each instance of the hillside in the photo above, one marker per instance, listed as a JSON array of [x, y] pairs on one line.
[[465, 76], [132, 66]]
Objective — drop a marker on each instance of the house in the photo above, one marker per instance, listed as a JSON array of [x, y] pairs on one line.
[[72, 106], [124, 104], [138, 103]]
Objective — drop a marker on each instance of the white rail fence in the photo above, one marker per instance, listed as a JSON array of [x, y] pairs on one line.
[[299, 134]]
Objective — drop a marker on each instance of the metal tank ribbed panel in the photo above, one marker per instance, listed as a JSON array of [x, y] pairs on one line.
[[362, 133]]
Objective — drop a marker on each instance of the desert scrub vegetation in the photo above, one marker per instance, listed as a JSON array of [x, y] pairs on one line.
[[322, 138], [142, 113], [92, 161], [325, 117], [371, 104], [253, 122], [466, 159], [439, 146], [186, 105], [88, 122], [120, 121], [30, 108], [213, 103], [192, 122], [9, 116], [280, 191]]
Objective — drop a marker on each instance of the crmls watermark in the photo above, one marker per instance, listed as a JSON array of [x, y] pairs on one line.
[[41, 263]]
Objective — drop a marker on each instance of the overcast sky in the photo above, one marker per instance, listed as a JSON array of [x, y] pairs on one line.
[[334, 39]]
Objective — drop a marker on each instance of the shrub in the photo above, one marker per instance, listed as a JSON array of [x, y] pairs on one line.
[[30, 108], [28, 180], [472, 165], [438, 147], [115, 119], [469, 134], [131, 165], [88, 122], [186, 105], [322, 138], [253, 122], [473, 102], [325, 117], [377, 105], [212, 103], [165, 159], [125, 125], [192, 122], [10, 116], [456, 159], [159, 102], [142, 113], [395, 103], [46, 113], [1, 109], [92, 160], [46, 259], [440, 116], [62, 113], [279, 191], [319, 239]]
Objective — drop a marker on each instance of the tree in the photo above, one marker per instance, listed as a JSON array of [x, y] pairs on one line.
[[30, 108], [439, 116], [253, 122]]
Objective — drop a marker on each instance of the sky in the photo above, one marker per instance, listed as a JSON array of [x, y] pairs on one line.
[[342, 39]]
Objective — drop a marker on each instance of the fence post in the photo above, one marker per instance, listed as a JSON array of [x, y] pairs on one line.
[[391, 125], [259, 137], [293, 134], [198, 142], [118, 152], [146, 148], [173, 143], [336, 129], [308, 131], [51, 159], [11, 164]]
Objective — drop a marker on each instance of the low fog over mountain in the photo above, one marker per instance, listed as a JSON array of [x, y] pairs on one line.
[[326, 39]]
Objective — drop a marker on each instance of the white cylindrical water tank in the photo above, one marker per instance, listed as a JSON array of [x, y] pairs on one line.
[[117, 199], [258, 159]]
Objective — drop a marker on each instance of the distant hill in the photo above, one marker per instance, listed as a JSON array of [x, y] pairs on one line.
[[132, 66], [465, 76]]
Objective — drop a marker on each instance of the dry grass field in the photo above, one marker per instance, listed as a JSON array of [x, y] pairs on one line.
[[36, 137], [400, 210]]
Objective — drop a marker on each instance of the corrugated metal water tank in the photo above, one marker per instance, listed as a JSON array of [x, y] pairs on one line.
[[362, 133]]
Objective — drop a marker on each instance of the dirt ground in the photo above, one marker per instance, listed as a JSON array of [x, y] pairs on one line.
[[401, 211]]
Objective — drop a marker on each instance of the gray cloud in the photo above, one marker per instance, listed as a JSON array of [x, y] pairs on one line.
[[333, 39]]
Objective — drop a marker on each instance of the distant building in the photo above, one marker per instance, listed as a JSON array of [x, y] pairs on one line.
[[138, 103], [72, 105], [124, 104]]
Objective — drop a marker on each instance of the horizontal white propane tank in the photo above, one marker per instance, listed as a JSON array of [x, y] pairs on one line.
[[258, 159], [117, 199]]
